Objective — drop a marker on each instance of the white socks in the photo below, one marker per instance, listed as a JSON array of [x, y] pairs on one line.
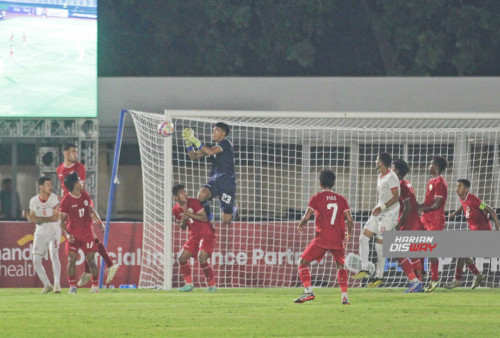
[[56, 264], [40, 270], [380, 260], [364, 249]]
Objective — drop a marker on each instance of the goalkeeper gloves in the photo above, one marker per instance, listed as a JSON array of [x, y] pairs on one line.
[[185, 134], [188, 136]]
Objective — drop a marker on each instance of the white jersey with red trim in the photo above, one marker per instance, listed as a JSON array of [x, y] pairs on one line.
[[385, 185]]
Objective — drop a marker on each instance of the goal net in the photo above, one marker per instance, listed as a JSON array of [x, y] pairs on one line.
[[278, 160]]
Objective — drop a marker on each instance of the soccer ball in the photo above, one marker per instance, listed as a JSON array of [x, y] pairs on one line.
[[354, 264], [166, 128]]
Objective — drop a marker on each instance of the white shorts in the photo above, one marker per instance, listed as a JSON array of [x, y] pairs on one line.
[[384, 220], [44, 242]]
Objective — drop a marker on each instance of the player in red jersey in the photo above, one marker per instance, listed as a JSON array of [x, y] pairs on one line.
[[189, 213], [410, 221], [76, 216], [331, 210], [476, 214], [69, 166], [433, 210]]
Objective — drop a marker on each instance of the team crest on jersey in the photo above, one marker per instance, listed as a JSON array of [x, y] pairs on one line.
[[430, 187], [86, 203]]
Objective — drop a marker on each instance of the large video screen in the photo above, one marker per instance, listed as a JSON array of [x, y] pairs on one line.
[[48, 58]]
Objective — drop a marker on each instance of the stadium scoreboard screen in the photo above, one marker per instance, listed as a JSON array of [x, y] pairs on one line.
[[48, 58]]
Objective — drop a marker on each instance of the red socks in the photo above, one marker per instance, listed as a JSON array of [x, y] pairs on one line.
[[435, 270], [103, 253], [407, 268], [342, 275], [209, 273], [305, 275], [458, 273], [472, 267], [186, 272], [417, 267]]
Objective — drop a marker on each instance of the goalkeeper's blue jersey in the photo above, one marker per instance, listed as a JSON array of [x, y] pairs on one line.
[[223, 163]]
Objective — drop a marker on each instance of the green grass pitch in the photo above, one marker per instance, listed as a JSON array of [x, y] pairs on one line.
[[249, 312], [53, 72]]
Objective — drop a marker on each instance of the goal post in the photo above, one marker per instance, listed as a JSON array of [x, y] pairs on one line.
[[168, 172], [278, 157], [114, 182]]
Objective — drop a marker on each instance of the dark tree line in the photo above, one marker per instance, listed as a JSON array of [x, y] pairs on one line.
[[299, 38]]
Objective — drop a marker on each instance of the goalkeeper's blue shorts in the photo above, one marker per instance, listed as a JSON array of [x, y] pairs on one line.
[[223, 187]]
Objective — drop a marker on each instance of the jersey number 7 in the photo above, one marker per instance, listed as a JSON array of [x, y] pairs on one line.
[[335, 207]]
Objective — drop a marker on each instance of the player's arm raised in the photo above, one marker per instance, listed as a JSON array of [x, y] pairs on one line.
[[62, 222], [493, 214], [305, 219], [195, 148], [193, 152], [192, 144], [209, 151], [204, 151]]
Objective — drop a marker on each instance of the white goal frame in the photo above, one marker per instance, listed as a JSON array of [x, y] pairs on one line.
[[172, 114]]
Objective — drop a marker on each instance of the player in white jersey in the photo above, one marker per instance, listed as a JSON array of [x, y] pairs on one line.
[[44, 212], [384, 217]]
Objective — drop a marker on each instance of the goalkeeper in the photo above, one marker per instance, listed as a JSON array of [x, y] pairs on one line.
[[222, 181]]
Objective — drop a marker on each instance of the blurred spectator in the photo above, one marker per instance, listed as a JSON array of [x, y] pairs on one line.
[[9, 201]]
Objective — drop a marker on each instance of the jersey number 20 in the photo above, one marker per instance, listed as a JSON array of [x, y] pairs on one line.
[[335, 207]]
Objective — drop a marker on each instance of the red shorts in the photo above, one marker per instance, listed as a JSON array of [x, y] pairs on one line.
[[205, 242], [87, 246], [315, 253], [432, 226]]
